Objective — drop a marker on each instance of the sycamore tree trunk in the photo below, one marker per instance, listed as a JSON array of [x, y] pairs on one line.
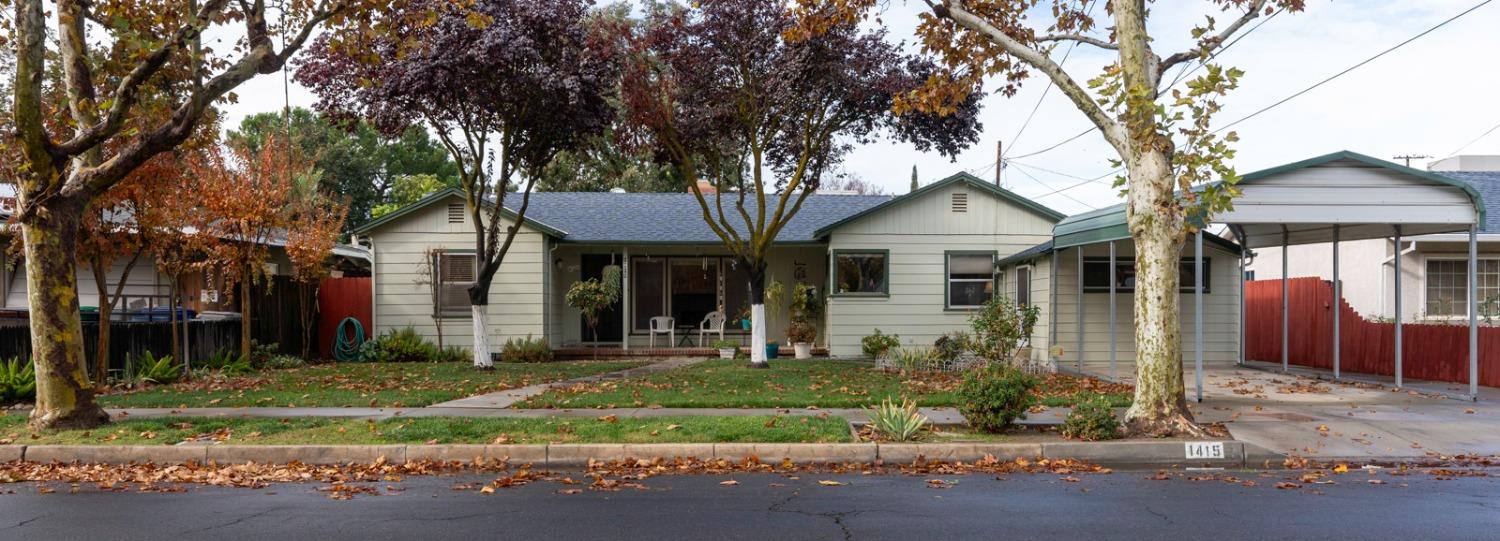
[[757, 315], [63, 396], [479, 298], [1160, 405]]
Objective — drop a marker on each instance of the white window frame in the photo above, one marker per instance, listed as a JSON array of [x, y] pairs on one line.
[[1422, 297], [1030, 272]]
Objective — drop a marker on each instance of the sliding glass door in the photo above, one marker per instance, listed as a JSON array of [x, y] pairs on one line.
[[685, 288]]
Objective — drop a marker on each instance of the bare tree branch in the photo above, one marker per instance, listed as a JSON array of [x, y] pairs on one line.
[[1080, 38], [1208, 45]]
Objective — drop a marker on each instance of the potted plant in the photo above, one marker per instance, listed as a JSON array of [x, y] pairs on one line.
[[727, 348], [744, 317], [801, 335]]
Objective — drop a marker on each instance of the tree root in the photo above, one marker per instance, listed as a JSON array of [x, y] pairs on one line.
[[86, 417], [1175, 425]]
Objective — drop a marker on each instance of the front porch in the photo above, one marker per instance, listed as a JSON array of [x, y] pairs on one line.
[[617, 352], [685, 282]]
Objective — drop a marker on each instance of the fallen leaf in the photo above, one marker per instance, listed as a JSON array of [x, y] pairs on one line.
[[830, 483], [729, 483]]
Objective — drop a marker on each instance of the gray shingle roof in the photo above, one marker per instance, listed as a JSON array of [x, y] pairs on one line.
[[1487, 183], [671, 217]]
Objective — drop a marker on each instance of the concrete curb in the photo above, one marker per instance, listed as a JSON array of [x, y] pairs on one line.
[[1123, 454]]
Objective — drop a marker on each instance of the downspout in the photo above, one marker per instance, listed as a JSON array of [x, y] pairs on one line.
[[1388, 262]]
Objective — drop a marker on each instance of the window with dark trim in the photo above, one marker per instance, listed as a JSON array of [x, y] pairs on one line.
[[1023, 286], [971, 279], [861, 273], [455, 272], [1096, 274]]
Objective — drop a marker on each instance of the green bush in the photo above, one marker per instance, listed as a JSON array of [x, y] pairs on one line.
[[452, 354], [149, 369], [897, 422], [994, 395], [261, 354], [227, 362], [17, 380], [726, 344], [877, 345], [282, 362], [1092, 419], [1001, 327], [529, 350], [950, 345]]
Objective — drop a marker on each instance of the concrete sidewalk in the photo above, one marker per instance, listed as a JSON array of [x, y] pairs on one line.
[[1312, 418]]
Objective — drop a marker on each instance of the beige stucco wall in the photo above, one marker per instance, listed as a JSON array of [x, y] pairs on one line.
[[917, 234], [516, 308], [1221, 311]]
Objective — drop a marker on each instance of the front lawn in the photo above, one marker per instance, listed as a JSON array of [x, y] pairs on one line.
[[790, 384], [435, 430], [355, 384]]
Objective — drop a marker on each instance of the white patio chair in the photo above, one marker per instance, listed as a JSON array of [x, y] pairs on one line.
[[713, 322], [664, 324]]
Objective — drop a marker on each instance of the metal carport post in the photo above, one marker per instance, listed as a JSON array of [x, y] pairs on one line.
[[1473, 312], [1198, 311], [1112, 347], [1338, 301]]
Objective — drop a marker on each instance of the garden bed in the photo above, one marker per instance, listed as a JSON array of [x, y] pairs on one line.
[[355, 385], [435, 430], [796, 384]]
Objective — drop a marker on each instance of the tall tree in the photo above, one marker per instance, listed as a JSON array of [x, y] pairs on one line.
[[356, 161], [312, 227], [408, 189], [914, 184], [718, 92], [77, 146], [1161, 134], [504, 84], [602, 163]]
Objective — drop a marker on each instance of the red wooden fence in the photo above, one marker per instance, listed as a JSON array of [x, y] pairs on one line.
[[1430, 352], [339, 298]]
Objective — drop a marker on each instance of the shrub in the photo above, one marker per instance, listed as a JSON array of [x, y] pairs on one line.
[[402, 346], [452, 354], [994, 395], [282, 362], [260, 354], [526, 350], [726, 344], [950, 345], [17, 380], [1000, 327], [878, 345], [897, 422], [1092, 419]]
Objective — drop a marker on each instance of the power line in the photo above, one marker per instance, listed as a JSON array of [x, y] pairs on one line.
[[1022, 168], [1354, 67], [1474, 140], [1034, 108]]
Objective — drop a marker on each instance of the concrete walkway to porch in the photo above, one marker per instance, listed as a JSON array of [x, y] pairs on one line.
[[1304, 416]]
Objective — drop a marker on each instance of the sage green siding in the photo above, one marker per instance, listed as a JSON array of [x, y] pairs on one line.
[[403, 299], [917, 234]]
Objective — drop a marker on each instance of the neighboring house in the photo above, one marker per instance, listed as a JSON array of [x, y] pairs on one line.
[[913, 265], [1433, 266]]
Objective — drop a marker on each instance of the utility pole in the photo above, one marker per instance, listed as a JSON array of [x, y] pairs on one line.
[[1409, 157], [999, 162]]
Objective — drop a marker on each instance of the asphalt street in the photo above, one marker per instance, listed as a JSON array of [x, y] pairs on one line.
[[1121, 505]]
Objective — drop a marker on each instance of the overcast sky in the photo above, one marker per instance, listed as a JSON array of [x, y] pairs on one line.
[[1430, 97]]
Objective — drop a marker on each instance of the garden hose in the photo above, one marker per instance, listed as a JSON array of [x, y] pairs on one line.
[[347, 348]]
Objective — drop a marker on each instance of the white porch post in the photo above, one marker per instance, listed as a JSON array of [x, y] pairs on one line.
[[1473, 312], [1338, 302], [1398, 307], [1080, 306], [1285, 293], [1198, 313], [1112, 346], [625, 300], [1052, 306]]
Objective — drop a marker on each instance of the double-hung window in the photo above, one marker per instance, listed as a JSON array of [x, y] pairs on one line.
[[861, 272], [454, 273], [1447, 287], [971, 279]]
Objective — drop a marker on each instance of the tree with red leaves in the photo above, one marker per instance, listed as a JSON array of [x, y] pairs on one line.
[[718, 91], [504, 84]]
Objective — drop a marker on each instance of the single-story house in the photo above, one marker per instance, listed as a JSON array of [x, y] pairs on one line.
[[912, 265], [1433, 277]]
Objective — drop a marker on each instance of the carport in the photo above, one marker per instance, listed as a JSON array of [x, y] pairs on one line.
[[1342, 196], [1349, 196]]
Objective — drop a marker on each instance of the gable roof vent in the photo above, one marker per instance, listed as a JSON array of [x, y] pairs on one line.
[[455, 213], [960, 202]]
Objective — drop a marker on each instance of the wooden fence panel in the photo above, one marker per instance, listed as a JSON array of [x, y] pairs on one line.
[[340, 298], [1430, 351]]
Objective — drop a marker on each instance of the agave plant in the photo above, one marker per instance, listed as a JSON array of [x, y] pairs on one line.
[[149, 368], [17, 380], [897, 422]]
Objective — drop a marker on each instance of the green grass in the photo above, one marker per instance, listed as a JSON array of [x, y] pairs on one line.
[[787, 384], [355, 384], [417, 430]]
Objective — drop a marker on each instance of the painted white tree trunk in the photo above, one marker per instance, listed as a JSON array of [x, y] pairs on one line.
[[481, 337], [757, 334]]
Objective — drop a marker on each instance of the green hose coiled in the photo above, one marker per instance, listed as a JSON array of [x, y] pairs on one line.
[[347, 347]]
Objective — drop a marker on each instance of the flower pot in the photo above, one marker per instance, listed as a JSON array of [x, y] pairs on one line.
[[803, 350], [745, 324], [773, 349], [728, 353]]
